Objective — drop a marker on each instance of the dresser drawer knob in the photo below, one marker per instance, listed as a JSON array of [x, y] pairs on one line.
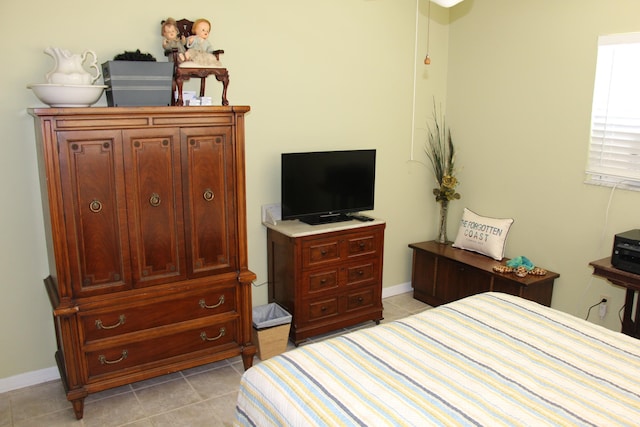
[[154, 200], [95, 206], [208, 195], [360, 272], [203, 303], [203, 335], [361, 245], [121, 320], [323, 252], [103, 360]]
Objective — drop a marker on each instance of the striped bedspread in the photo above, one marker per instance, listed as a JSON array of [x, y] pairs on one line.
[[487, 360]]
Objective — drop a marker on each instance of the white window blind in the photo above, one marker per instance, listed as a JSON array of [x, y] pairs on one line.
[[614, 150]]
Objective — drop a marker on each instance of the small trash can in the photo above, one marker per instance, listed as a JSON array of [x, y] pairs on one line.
[[271, 325]]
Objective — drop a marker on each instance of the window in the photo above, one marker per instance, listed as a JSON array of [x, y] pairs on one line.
[[614, 150]]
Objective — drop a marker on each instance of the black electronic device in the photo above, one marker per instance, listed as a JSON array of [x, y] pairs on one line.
[[325, 186], [626, 251]]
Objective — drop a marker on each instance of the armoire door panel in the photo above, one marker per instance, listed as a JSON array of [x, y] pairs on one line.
[[94, 199], [154, 199], [209, 199]]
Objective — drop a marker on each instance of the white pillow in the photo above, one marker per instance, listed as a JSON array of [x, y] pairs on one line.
[[482, 234]]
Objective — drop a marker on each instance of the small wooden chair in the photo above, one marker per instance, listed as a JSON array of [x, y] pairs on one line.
[[182, 73]]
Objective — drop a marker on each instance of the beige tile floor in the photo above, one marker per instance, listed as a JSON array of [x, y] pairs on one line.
[[203, 396]]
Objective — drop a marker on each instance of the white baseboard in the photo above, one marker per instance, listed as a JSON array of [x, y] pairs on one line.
[[49, 374], [29, 378], [402, 288]]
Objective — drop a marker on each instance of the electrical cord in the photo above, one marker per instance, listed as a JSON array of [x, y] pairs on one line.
[[620, 314], [593, 306]]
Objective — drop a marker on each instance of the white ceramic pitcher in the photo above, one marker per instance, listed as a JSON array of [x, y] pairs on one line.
[[69, 68]]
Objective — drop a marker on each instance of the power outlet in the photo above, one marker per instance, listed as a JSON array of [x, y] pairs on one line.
[[602, 309]]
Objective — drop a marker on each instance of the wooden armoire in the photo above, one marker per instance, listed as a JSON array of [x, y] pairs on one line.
[[146, 231]]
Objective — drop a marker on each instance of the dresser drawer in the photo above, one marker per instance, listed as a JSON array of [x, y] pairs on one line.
[[320, 309], [326, 281], [361, 299], [320, 281], [316, 252], [362, 244], [338, 248], [150, 314], [116, 358], [361, 273]]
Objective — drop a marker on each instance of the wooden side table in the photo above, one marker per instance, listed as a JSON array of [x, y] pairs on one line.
[[630, 281], [442, 273]]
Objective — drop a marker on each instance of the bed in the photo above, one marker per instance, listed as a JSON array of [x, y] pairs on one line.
[[490, 360]]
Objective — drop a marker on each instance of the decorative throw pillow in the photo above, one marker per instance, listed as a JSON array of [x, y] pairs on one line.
[[482, 234]]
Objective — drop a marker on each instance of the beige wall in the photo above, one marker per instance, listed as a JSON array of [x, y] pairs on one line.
[[329, 74], [515, 75], [519, 93]]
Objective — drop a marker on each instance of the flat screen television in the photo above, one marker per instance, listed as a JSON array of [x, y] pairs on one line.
[[326, 186]]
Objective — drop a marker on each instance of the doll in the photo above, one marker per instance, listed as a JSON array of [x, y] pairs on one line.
[[170, 39], [200, 50]]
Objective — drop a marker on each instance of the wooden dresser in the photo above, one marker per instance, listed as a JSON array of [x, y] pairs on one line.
[[327, 276], [145, 223], [442, 273]]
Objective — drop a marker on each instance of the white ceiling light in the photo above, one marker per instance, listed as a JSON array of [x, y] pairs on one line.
[[446, 3]]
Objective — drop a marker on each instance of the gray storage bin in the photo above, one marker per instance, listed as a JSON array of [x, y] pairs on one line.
[[138, 83]]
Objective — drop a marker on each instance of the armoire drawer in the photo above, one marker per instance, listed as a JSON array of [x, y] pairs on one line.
[[118, 357], [135, 317]]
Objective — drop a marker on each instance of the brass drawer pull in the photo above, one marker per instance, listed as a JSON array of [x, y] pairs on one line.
[[203, 335], [121, 320], [154, 200], [208, 195], [95, 206], [203, 303], [103, 360]]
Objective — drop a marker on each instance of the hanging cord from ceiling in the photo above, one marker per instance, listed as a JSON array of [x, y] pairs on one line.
[[427, 59]]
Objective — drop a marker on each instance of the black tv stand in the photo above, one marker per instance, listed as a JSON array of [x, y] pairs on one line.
[[325, 219], [331, 218]]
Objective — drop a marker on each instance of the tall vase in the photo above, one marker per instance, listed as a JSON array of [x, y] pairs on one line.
[[442, 231]]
